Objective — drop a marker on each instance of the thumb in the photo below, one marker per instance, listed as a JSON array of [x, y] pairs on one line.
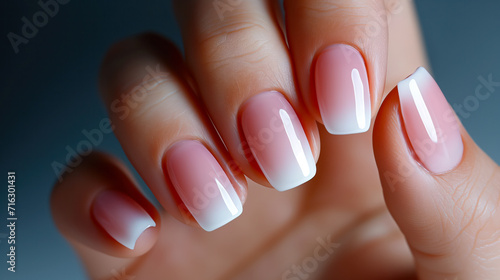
[[440, 187]]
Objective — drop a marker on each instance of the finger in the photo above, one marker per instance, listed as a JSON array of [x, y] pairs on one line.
[[167, 136], [100, 210], [403, 23], [244, 75], [441, 189], [339, 48]]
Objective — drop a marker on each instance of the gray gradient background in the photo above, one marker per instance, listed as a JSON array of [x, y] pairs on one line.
[[49, 94]]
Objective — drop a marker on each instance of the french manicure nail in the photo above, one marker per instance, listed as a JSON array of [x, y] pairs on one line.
[[277, 140], [121, 217], [202, 184], [342, 90], [430, 123]]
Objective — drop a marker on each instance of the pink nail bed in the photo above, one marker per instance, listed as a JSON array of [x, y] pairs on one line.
[[277, 140], [342, 90], [202, 184], [121, 217], [430, 123]]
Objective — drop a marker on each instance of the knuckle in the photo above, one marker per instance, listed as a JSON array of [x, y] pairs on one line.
[[320, 8], [151, 96], [359, 9], [156, 96], [238, 40], [364, 20]]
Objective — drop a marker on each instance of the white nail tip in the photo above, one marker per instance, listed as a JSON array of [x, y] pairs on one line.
[[217, 215], [219, 210], [121, 217], [128, 239]]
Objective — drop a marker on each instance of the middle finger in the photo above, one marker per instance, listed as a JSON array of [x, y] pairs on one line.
[[240, 61]]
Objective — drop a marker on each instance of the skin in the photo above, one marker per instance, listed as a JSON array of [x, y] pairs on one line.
[[278, 231]]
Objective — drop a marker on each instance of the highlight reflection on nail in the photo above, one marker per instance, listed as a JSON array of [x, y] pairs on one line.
[[295, 143], [422, 110]]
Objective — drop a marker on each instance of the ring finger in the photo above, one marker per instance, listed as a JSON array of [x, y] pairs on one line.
[[166, 134]]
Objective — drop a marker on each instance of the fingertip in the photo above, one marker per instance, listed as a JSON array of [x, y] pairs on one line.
[[341, 67], [202, 186], [342, 90], [124, 220], [99, 206], [277, 140]]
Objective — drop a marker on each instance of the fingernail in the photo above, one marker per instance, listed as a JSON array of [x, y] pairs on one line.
[[121, 217], [202, 184], [342, 90], [430, 123], [277, 140]]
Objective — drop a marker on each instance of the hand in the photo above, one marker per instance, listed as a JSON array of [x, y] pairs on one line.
[[331, 226]]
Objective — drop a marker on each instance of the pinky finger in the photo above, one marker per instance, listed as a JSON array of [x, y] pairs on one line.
[[99, 206]]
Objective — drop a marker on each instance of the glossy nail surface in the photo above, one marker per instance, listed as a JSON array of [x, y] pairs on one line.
[[121, 217], [202, 184], [277, 140], [430, 122], [342, 90]]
